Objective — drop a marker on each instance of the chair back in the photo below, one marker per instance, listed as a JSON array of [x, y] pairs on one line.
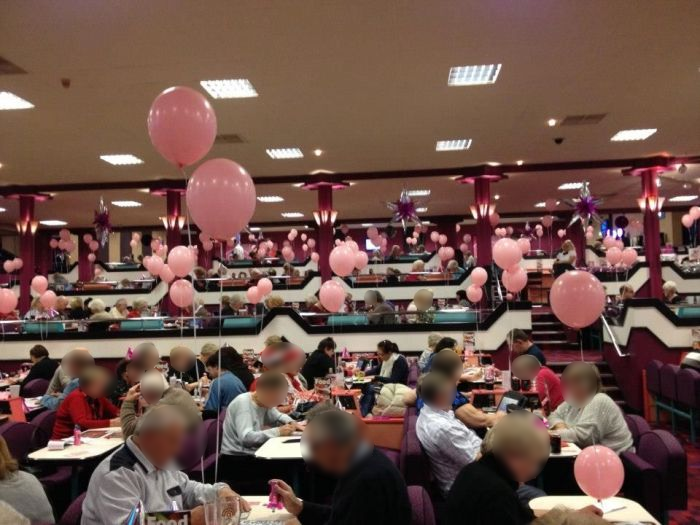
[[19, 438], [35, 388], [193, 448], [74, 513], [663, 451], [422, 512], [43, 427], [667, 378], [214, 430], [653, 370], [688, 387], [637, 425], [413, 462], [413, 374]]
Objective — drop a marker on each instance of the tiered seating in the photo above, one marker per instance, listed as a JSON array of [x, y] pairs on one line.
[[676, 391]]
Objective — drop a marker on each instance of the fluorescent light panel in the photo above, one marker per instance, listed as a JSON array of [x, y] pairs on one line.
[[473, 75], [453, 144], [540, 205], [270, 198], [3, 210], [292, 214], [9, 101], [422, 210], [284, 153], [122, 159], [627, 135], [229, 88], [571, 186], [126, 204], [683, 198], [418, 193], [53, 222]]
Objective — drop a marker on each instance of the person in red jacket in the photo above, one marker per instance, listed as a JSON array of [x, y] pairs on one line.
[[86, 406]]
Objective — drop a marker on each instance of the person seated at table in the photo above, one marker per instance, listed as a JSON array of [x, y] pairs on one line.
[[548, 385], [425, 356], [523, 345], [469, 260], [139, 308], [566, 258], [73, 363], [100, 319], [588, 416], [448, 343], [142, 471], [153, 391], [185, 367], [36, 311], [320, 362], [127, 374], [86, 407], [21, 490], [378, 310], [288, 359], [417, 272], [394, 253], [626, 292], [449, 444], [120, 309], [393, 367], [43, 367], [226, 386], [252, 418], [61, 308], [670, 290], [274, 301], [485, 491], [461, 297], [453, 270], [148, 355], [369, 488], [76, 309]]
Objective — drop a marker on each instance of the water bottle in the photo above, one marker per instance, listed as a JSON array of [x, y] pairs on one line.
[[77, 435]]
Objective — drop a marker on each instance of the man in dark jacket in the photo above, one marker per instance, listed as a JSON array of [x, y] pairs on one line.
[[43, 367], [370, 489], [320, 362]]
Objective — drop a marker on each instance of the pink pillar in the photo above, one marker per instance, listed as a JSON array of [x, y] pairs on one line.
[[85, 269], [578, 237], [482, 200], [173, 237], [325, 232], [652, 238], [26, 251]]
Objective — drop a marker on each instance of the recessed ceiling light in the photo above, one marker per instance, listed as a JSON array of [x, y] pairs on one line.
[[627, 135], [298, 184], [229, 88], [422, 209], [686, 186], [292, 215], [571, 186], [11, 101], [2, 210], [270, 198], [284, 153], [493, 163], [126, 204], [683, 198], [552, 122], [540, 204], [519, 162], [497, 196], [144, 190], [255, 228], [453, 145], [418, 193], [126, 159], [473, 75], [53, 222], [318, 152], [367, 224], [321, 172]]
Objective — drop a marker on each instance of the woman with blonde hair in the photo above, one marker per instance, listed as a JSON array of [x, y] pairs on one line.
[[139, 308], [22, 491]]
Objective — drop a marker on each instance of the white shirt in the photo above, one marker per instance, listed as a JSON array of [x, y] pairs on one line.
[[450, 445]]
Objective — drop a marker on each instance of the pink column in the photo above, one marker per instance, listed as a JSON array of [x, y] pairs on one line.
[[26, 252], [173, 236], [482, 200], [85, 269], [325, 232], [578, 237], [652, 238]]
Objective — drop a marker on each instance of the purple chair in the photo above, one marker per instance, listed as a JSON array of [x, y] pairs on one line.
[[393, 455], [213, 430], [642, 483], [413, 374], [413, 462], [653, 370], [688, 397], [74, 513], [43, 424], [409, 419], [35, 388], [19, 438], [662, 450], [421, 507], [637, 425], [193, 449], [669, 393]]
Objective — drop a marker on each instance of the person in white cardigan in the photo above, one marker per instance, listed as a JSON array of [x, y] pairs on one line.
[[588, 416]]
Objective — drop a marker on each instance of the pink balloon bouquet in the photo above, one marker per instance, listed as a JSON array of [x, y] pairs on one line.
[[181, 261], [474, 293], [264, 286], [599, 472], [506, 253], [253, 295], [342, 260], [479, 276], [8, 301], [39, 284]]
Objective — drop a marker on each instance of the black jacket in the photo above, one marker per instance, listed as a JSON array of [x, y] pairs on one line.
[[484, 493], [399, 372], [43, 369], [372, 493], [317, 365]]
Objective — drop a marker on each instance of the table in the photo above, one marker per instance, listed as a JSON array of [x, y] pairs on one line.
[[259, 512], [287, 447], [632, 510], [568, 450]]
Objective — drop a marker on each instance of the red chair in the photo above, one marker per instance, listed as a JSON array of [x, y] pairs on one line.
[[74, 513]]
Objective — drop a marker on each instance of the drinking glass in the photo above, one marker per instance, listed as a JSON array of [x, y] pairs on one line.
[[347, 381]]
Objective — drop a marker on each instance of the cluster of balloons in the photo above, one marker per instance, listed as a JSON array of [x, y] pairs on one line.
[[494, 219], [539, 231], [207, 243], [345, 257], [158, 248], [577, 298], [39, 286], [92, 244], [479, 276], [599, 472], [332, 296], [466, 240], [12, 265], [256, 293], [507, 254], [135, 240], [502, 232], [64, 242], [626, 257], [689, 218]]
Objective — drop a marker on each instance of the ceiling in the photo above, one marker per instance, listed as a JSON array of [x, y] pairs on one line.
[[364, 81]]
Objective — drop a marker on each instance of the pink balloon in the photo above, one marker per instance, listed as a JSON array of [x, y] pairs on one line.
[[133, 243], [208, 246], [8, 266], [18, 263], [182, 125], [180, 261], [515, 279], [91, 257], [467, 238], [166, 274], [599, 472], [449, 253], [577, 298], [458, 228], [290, 236], [524, 245], [613, 255], [39, 284], [8, 301], [94, 246], [48, 299], [146, 262], [506, 253], [332, 296], [694, 212], [97, 271], [435, 236], [342, 261], [372, 232], [687, 220], [204, 237], [609, 241], [509, 296], [252, 294], [288, 255], [61, 244], [561, 233], [155, 265], [304, 248], [442, 239], [539, 232], [304, 237], [474, 293], [155, 244], [361, 260], [87, 238], [264, 286], [181, 293], [550, 205], [479, 276], [409, 240], [213, 188], [311, 243], [547, 221], [494, 219], [53, 243], [509, 230], [70, 246], [629, 256], [620, 244], [352, 245], [463, 248], [64, 234], [315, 257]]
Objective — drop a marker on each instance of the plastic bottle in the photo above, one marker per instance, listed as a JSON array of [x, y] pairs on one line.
[[77, 435]]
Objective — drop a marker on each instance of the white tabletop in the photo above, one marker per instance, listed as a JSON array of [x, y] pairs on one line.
[[259, 512], [632, 510], [571, 450], [91, 448], [288, 447]]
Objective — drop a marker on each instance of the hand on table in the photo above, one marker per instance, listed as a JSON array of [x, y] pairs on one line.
[[299, 427], [227, 492], [291, 503], [288, 429]]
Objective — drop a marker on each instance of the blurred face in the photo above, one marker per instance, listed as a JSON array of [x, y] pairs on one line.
[[369, 299], [213, 371], [524, 467], [149, 358], [97, 387], [271, 398], [120, 306], [133, 374], [331, 458], [151, 396], [576, 392], [182, 361], [163, 446]]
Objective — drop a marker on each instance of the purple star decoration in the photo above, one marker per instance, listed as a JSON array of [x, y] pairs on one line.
[[585, 206], [101, 223], [404, 209]]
